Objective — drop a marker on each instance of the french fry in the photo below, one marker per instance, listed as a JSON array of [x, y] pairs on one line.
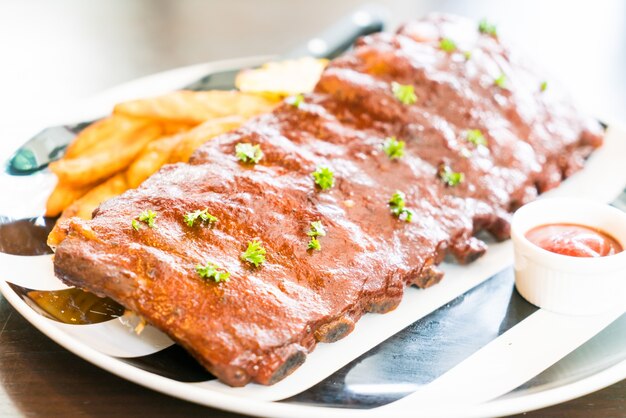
[[84, 206], [122, 148], [191, 140], [153, 156], [196, 107], [62, 196], [94, 139], [99, 134], [176, 148], [284, 78], [172, 128]]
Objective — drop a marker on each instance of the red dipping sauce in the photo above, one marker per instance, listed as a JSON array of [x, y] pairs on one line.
[[574, 240]]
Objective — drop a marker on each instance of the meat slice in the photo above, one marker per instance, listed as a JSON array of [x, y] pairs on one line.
[[260, 325]]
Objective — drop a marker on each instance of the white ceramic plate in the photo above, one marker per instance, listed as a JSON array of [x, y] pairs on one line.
[[385, 360]]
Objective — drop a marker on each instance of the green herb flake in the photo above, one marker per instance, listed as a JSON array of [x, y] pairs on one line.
[[147, 216], [404, 93], [450, 177], [447, 45], [406, 215], [500, 81], [191, 217], [317, 229], [394, 148], [543, 86], [398, 208], [248, 153], [297, 100], [487, 28], [213, 272], [467, 55], [323, 177], [314, 244], [254, 254], [476, 137]]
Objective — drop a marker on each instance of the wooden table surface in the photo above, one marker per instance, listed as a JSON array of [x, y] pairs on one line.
[[57, 51]]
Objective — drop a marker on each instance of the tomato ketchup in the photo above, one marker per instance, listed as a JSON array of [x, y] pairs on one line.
[[574, 240]]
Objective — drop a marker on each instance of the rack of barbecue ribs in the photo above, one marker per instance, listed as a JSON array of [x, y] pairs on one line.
[[283, 233]]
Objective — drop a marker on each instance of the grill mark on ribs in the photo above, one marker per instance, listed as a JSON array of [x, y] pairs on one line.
[[260, 325]]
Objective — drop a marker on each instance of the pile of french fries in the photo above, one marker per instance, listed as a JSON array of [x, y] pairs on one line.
[[119, 152]]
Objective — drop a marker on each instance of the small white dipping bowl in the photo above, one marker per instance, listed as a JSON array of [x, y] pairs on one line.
[[566, 284]]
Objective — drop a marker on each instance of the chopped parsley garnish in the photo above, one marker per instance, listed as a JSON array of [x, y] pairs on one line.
[[314, 244], [212, 271], [467, 55], [500, 81], [487, 28], [449, 177], [148, 217], [204, 216], [544, 86], [476, 137], [394, 148], [397, 204], [404, 93], [447, 45], [316, 230], [254, 254], [248, 153], [323, 177], [297, 100]]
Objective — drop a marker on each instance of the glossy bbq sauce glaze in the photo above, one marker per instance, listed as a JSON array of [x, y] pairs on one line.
[[574, 240]]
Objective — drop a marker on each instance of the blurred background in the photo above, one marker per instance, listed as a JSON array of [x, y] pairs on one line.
[[54, 52]]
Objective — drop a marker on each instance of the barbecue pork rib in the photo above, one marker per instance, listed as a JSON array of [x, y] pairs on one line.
[[260, 325]]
